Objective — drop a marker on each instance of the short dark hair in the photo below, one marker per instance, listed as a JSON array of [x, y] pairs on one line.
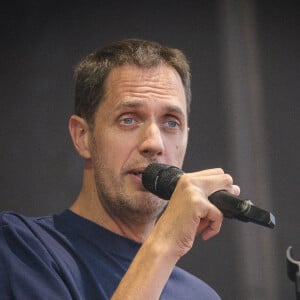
[[92, 71]]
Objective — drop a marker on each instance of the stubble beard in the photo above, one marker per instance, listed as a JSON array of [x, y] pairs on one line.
[[137, 207]]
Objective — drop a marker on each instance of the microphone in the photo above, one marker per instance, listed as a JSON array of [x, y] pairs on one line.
[[161, 180]]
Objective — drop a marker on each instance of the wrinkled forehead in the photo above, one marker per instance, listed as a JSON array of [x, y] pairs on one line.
[[161, 81]]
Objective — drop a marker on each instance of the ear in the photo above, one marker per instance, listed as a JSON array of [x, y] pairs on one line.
[[79, 131]]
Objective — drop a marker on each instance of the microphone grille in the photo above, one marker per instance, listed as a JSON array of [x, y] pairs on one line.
[[161, 179]]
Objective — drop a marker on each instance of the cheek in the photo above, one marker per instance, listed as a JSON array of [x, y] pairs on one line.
[[181, 152], [175, 151], [181, 147], [115, 148]]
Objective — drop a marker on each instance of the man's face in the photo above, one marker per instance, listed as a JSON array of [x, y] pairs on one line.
[[142, 119]]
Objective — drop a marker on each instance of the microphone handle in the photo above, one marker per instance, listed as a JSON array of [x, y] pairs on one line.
[[243, 210]]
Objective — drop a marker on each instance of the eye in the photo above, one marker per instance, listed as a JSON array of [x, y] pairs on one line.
[[172, 124], [127, 121]]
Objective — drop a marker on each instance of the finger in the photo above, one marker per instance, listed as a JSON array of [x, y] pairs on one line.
[[203, 224], [212, 183], [212, 228], [235, 190], [213, 171], [213, 223]]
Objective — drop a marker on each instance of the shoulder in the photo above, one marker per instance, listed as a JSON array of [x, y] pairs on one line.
[[184, 285], [28, 268], [14, 226], [21, 232], [10, 219]]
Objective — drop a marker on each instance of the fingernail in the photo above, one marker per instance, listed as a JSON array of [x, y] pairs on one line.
[[236, 189]]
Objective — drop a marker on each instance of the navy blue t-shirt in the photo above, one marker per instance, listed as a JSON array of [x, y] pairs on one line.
[[68, 257]]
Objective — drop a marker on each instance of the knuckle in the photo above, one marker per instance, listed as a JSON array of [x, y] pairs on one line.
[[184, 181], [220, 170], [218, 215], [228, 179]]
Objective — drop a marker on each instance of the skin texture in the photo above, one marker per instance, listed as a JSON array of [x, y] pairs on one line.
[[143, 119]]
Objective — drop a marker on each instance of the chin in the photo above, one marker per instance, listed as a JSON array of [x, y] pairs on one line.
[[154, 205]]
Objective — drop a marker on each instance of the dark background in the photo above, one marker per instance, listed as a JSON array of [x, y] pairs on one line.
[[245, 116]]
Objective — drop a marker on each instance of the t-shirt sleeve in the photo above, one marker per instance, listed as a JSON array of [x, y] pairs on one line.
[[27, 271]]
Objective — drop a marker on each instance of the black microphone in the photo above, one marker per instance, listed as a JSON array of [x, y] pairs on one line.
[[161, 180]]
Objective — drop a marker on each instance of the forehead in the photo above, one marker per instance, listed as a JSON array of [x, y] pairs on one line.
[[131, 82]]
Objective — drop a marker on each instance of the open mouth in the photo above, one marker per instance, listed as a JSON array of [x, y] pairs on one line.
[[137, 173]]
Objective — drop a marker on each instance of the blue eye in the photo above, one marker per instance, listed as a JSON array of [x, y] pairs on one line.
[[127, 121], [172, 124]]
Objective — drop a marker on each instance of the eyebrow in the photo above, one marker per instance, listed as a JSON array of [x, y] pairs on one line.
[[138, 103], [130, 104]]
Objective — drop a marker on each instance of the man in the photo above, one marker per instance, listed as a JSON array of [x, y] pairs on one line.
[[132, 103]]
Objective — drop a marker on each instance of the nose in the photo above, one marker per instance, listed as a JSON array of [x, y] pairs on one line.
[[151, 141]]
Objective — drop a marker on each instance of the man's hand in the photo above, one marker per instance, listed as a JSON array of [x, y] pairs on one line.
[[189, 211]]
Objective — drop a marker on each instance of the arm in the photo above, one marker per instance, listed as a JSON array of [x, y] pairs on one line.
[[188, 213]]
